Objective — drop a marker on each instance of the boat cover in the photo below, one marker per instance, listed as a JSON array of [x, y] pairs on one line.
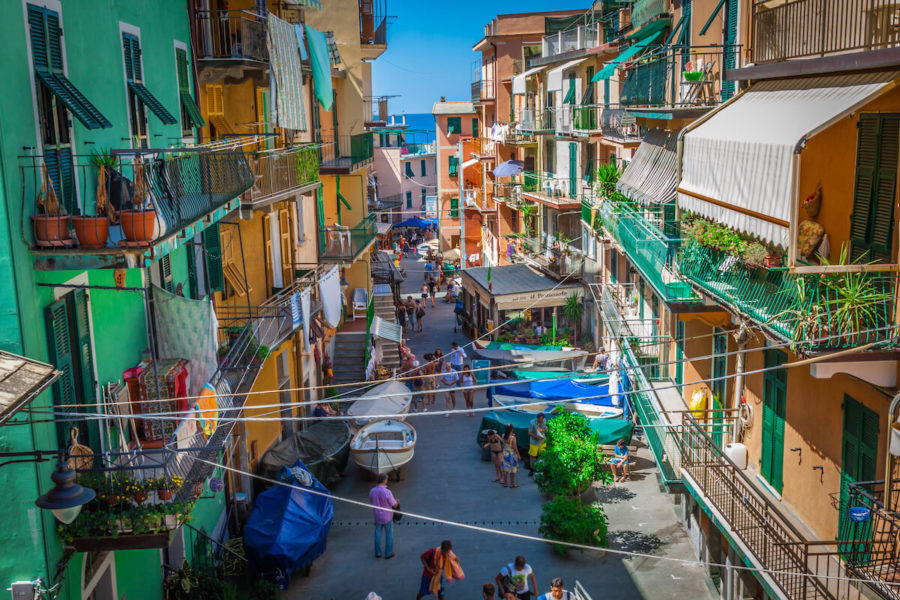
[[609, 431], [322, 447], [562, 389], [288, 527], [390, 398], [520, 374], [528, 355]]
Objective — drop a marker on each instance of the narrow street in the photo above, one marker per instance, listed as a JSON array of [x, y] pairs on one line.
[[447, 479]]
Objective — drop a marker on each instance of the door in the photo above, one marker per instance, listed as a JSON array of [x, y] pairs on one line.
[[719, 383], [573, 170], [679, 354], [859, 459], [774, 396]]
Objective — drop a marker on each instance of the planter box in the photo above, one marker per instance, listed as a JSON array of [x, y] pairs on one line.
[[125, 541]]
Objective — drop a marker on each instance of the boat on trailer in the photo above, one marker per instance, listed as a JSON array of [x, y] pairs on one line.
[[384, 446]]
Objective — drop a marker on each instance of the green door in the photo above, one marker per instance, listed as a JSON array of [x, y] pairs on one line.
[[679, 354], [859, 458], [573, 170], [719, 383], [774, 396]]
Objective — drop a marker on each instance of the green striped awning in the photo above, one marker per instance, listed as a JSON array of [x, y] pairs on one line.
[[307, 3], [190, 107], [607, 71], [152, 103], [74, 100]]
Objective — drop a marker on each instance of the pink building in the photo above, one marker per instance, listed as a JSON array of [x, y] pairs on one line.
[[405, 172]]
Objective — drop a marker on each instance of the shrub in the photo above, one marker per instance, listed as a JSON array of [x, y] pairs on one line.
[[572, 461], [570, 520]]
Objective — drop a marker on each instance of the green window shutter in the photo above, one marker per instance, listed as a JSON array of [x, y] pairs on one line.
[[152, 103], [408, 199], [128, 43], [424, 194], [38, 32], [570, 94], [85, 348], [184, 81], [61, 172], [886, 185], [453, 166], [454, 125], [573, 169], [475, 127], [409, 171], [454, 208], [872, 219], [212, 244], [165, 273], [193, 279], [59, 344], [774, 396], [731, 29], [422, 168]]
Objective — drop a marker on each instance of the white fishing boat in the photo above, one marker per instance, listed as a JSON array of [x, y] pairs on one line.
[[385, 400], [533, 406], [383, 446]]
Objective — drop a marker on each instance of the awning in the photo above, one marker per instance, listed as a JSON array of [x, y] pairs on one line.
[[382, 228], [74, 100], [321, 66], [152, 103], [384, 329], [650, 176], [611, 66], [555, 76], [518, 82], [286, 108], [737, 166], [21, 381]]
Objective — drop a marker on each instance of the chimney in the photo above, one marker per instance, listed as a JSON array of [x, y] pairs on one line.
[[443, 98]]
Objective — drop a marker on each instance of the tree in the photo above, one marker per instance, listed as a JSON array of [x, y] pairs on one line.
[[574, 310]]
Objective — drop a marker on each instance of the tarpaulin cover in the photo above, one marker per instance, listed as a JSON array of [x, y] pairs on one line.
[[563, 389], [511, 346], [323, 447], [417, 222], [321, 66], [558, 374], [609, 431], [288, 529]]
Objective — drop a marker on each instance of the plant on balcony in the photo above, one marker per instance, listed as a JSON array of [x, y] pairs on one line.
[[139, 222], [51, 222], [721, 238], [307, 166], [92, 231], [606, 177], [853, 302], [189, 583]]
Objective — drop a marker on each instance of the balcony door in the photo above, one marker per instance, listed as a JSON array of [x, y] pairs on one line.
[[719, 383], [859, 459], [774, 396]]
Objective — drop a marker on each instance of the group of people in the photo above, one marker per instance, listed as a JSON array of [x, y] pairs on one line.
[[410, 313], [505, 450], [443, 373]]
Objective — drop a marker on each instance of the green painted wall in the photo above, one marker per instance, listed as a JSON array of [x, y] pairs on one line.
[[93, 54]]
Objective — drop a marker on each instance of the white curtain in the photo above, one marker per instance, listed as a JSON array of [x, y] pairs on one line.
[[304, 307], [330, 294]]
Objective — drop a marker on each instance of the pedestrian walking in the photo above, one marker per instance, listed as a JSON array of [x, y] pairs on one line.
[[418, 387], [429, 269], [487, 592], [440, 563], [382, 497], [537, 438], [439, 357], [432, 289], [449, 380], [420, 313], [428, 374], [468, 380], [411, 313], [458, 357], [424, 291], [495, 443], [405, 249], [557, 591], [515, 577], [401, 313], [511, 457]]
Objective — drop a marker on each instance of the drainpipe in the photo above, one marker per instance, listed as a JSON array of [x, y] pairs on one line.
[[743, 336]]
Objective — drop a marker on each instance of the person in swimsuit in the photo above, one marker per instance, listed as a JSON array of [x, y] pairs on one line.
[[495, 443]]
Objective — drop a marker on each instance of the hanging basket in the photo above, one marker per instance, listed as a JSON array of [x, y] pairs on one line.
[[81, 457]]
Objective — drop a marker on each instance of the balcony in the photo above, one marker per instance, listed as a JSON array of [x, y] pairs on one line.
[[810, 310], [345, 244], [651, 252], [417, 149], [373, 26], [560, 260], [375, 110], [873, 555], [230, 37], [568, 44], [281, 173], [619, 126], [344, 154], [685, 78], [532, 120], [162, 198], [551, 190], [813, 28], [645, 11], [482, 90], [478, 200], [579, 120], [386, 203]]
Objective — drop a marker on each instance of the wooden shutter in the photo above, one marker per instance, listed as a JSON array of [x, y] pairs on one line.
[[85, 348], [287, 254], [475, 127], [165, 273], [215, 99], [409, 171], [885, 185], [267, 243], [59, 344], [181, 62], [61, 172], [423, 168], [212, 246], [408, 199], [454, 207], [872, 219], [193, 278], [424, 194]]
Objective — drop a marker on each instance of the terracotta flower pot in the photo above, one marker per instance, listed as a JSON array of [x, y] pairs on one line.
[[138, 225], [140, 497], [51, 231], [92, 232], [164, 495]]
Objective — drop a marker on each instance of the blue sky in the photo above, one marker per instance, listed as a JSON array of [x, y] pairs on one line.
[[429, 51]]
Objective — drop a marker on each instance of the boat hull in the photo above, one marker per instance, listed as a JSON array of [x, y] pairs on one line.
[[383, 446]]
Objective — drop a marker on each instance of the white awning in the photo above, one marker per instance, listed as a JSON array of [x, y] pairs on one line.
[[518, 86], [737, 167], [555, 76], [650, 177], [382, 228], [384, 329]]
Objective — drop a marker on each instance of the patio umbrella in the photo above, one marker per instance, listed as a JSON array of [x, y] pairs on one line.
[[509, 168]]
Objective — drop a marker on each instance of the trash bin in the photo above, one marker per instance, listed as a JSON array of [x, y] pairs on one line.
[[485, 450]]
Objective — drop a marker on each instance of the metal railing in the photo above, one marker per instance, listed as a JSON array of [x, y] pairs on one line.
[[681, 76], [387, 202], [652, 252], [375, 109], [231, 35], [559, 259], [417, 149], [617, 125], [153, 194], [582, 37], [345, 152], [373, 22], [340, 243], [536, 119], [575, 119], [807, 28], [279, 171], [869, 547], [483, 89], [812, 310], [645, 11]]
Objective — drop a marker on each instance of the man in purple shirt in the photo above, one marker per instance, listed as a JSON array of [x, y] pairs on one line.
[[382, 497]]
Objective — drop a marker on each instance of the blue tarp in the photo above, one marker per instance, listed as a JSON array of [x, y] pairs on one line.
[[288, 528], [417, 222], [609, 431], [562, 389]]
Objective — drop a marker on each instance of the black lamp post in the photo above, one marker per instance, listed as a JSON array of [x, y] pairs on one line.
[[66, 497]]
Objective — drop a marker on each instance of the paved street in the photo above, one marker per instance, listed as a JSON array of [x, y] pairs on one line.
[[446, 479]]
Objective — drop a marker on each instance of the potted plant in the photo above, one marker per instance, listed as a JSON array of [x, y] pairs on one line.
[[166, 485], [139, 222], [530, 336], [51, 223], [92, 231]]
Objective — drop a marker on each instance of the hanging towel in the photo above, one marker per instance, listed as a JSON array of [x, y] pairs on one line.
[[286, 77], [330, 293], [446, 566], [321, 66], [188, 329], [304, 307], [301, 42]]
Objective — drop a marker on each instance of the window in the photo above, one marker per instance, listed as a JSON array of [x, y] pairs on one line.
[[212, 244], [215, 109], [424, 194], [454, 208], [139, 97], [475, 127], [423, 169], [872, 220], [408, 199], [190, 114], [453, 165], [454, 125], [409, 171]]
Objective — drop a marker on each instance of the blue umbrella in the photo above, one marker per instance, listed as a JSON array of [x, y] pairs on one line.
[[509, 168]]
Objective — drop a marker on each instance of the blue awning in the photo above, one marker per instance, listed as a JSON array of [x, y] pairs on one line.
[[610, 68]]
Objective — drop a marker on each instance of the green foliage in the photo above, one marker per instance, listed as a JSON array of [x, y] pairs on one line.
[[188, 583], [101, 520], [308, 165], [572, 461], [607, 176], [716, 236], [104, 158], [570, 520]]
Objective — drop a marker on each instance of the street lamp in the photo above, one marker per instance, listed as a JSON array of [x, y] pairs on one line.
[[66, 497]]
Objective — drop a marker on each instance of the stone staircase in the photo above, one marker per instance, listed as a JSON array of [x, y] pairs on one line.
[[349, 357], [384, 308]]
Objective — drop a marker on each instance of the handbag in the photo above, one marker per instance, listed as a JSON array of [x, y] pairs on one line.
[[397, 515], [509, 586]]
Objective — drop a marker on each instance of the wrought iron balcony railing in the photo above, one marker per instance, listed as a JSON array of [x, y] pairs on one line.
[[344, 153], [229, 35], [869, 547], [552, 189], [344, 244], [535, 120], [619, 126], [808, 28], [582, 37], [583, 119], [559, 259], [280, 171], [373, 22], [813, 311], [645, 11]]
